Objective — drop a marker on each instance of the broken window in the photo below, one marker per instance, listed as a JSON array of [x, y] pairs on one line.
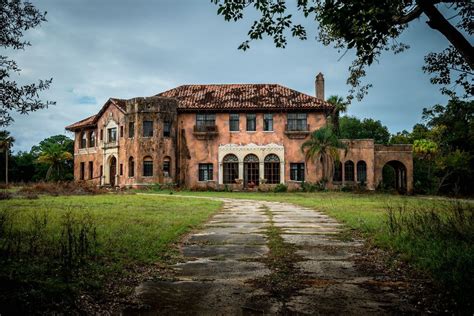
[[147, 128]]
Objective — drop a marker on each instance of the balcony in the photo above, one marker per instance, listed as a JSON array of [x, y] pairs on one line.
[[298, 132], [205, 131]]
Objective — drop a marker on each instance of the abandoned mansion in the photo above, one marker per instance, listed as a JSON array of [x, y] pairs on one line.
[[212, 136]]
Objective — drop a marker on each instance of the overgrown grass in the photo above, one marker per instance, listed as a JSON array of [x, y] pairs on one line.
[[434, 235], [54, 248]]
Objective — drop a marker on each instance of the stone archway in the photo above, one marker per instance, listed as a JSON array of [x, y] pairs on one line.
[[399, 181]]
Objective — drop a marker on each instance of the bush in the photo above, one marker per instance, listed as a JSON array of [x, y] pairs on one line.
[[313, 187], [61, 188], [439, 242], [5, 195], [280, 187]]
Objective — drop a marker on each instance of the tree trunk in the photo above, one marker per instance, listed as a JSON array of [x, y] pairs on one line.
[[438, 22]]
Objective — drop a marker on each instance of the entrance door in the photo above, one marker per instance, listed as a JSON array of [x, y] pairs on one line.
[[112, 171], [251, 170]]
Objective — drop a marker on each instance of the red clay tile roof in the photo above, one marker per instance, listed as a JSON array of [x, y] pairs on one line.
[[242, 97], [82, 123]]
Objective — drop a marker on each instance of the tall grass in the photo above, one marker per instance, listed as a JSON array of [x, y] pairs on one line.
[[439, 241]]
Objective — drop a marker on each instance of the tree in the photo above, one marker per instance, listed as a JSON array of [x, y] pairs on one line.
[[369, 27], [57, 153], [340, 106], [353, 128], [17, 17], [323, 147], [6, 142]]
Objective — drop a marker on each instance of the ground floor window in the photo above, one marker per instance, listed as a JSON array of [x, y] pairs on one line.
[[131, 167], [337, 176], [230, 165], [167, 166], [82, 171], [348, 171], [205, 172], [297, 171], [272, 169], [147, 167], [251, 170], [121, 169], [361, 171]]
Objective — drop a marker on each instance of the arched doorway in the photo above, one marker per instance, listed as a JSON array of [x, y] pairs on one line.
[[112, 170], [251, 170], [394, 176]]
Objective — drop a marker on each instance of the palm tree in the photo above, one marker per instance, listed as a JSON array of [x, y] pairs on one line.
[[6, 142], [323, 146], [55, 156], [340, 106]]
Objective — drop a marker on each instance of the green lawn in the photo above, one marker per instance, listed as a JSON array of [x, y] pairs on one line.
[[130, 230]]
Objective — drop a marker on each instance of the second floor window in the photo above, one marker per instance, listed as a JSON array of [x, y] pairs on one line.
[[83, 142], [268, 122], [167, 129], [203, 121], [297, 122], [147, 128], [92, 139], [251, 122], [131, 129], [112, 135], [234, 122]]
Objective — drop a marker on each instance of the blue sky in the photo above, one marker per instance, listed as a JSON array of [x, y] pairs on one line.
[[94, 50]]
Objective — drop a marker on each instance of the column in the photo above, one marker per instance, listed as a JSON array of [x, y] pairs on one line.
[[282, 172], [241, 169], [261, 170]]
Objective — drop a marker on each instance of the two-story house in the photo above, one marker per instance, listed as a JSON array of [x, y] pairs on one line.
[[241, 135]]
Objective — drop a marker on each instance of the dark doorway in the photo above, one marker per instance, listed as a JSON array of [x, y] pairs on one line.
[[394, 176], [251, 171], [112, 171]]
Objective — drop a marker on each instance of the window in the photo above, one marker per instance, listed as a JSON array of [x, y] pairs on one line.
[[82, 171], [131, 167], [272, 169], [167, 166], [362, 171], [205, 172], [101, 172], [337, 176], [147, 128], [348, 171], [251, 170], [121, 169], [112, 135], [297, 171], [131, 129], [167, 129], [230, 165], [251, 122], [205, 121], [101, 134], [91, 169], [268, 122], [147, 167], [234, 122], [83, 142], [297, 122], [121, 131], [91, 139]]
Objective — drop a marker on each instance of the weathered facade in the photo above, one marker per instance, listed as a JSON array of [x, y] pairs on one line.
[[211, 136]]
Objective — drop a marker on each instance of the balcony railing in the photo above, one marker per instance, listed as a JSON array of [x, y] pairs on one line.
[[205, 131], [297, 131]]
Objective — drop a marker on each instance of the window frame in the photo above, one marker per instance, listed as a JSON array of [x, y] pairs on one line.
[[207, 168], [91, 170], [82, 171], [268, 122], [349, 166], [167, 128], [131, 167], [297, 121], [166, 167], [361, 171], [131, 129], [111, 131], [234, 118], [297, 171], [91, 137], [230, 169], [251, 117], [337, 174], [147, 126], [83, 140], [271, 169], [203, 120], [147, 171]]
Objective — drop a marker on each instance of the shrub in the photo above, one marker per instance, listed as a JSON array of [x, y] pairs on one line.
[[280, 187], [61, 188], [5, 195], [313, 187]]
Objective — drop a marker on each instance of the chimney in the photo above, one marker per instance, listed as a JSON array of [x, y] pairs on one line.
[[319, 84]]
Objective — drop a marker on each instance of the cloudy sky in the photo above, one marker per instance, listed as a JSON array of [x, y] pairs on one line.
[[94, 50]]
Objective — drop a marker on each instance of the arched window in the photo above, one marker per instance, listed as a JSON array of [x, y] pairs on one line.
[[362, 171], [83, 142], [251, 170], [337, 177], [230, 165], [167, 166], [131, 167], [147, 166], [91, 139], [349, 171], [272, 169]]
